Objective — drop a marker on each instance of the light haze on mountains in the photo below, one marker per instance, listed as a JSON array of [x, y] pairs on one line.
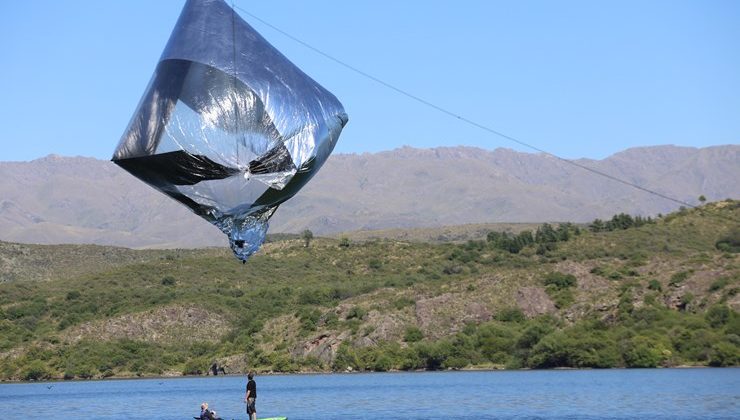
[[84, 200]]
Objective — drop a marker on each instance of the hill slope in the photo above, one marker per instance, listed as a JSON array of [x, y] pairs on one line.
[[80, 200], [662, 293]]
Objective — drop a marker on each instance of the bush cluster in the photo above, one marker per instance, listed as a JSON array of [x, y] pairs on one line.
[[544, 342], [619, 221], [544, 237]]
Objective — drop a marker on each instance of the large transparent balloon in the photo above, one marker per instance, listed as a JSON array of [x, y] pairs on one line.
[[228, 126]]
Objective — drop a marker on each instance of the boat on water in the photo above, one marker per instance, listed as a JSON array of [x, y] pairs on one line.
[[264, 418]]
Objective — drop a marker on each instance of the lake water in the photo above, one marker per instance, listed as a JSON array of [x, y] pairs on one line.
[[566, 394]]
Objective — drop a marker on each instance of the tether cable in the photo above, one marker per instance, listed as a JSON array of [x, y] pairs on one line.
[[467, 120]]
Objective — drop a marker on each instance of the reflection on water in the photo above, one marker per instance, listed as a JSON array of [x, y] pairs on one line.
[[649, 393]]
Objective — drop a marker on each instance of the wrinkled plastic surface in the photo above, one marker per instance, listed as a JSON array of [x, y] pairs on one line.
[[228, 126]]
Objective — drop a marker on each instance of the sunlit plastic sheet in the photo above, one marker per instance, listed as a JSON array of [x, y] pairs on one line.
[[228, 126]]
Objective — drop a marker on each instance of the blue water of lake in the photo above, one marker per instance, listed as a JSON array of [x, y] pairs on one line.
[[571, 394]]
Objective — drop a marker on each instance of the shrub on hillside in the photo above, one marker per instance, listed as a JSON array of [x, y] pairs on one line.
[[168, 281], [719, 284], [558, 286], [560, 280], [34, 371], [654, 285], [510, 315], [413, 334], [562, 350], [403, 302], [562, 298], [729, 242], [356, 312], [533, 333], [642, 352], [375, 264], [724, 354], [678, 278], [718, 315], [346, 358], [309, 319], [496, 341]]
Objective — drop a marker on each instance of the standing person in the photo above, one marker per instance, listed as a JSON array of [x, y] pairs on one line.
[[251, 396]]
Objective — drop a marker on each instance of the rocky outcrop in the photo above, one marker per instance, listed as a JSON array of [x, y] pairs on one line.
[[232, 365], [585, 280], [381, 327], [448, 313], [534, 301], [168, 324], [322, 346]]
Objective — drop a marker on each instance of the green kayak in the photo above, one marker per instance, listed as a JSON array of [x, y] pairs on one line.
[[264, 418]]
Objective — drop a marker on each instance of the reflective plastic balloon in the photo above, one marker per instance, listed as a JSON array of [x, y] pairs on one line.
[[228, 126]]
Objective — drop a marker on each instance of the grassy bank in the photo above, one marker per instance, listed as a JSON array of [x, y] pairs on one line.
[[658, 293]]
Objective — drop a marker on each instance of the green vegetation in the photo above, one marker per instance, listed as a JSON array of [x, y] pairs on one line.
[[678, 278], [307, 236], [344, 242], [544, 342], [729, 242], [559, 287], [655, 285], [641, 293], [545, 237], [413, 334], [619, 222]]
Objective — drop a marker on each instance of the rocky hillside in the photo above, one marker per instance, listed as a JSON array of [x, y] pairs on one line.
[[633, 293], [80, 200]]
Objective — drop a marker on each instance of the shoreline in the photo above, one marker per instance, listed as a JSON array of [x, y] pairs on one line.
[[161, 377]]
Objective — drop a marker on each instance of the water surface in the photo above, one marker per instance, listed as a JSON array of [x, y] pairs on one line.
[[566, 394]]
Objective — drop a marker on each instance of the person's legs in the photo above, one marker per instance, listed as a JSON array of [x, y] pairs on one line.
[[251, 409]]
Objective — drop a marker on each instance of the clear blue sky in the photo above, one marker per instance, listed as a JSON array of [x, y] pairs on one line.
[[576, 78]]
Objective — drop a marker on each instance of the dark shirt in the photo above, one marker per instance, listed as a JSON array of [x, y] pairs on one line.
[[252, 388]]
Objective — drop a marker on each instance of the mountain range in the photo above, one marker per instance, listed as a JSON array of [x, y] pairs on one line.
[[59, 199]]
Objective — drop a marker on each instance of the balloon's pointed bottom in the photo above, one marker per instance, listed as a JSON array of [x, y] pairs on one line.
[[246, 234]]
